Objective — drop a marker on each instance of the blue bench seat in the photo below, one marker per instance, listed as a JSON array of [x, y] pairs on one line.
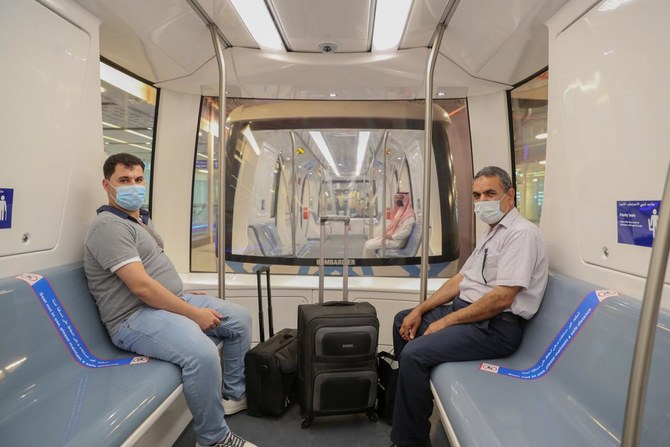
[[580, 398], [264, 240], [47, 397]]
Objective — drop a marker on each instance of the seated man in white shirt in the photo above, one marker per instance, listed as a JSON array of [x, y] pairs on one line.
[[478, 314], [398, 230]]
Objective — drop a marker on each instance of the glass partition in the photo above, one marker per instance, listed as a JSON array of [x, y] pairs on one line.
[[529, 104], [291, 162], [128, 116]]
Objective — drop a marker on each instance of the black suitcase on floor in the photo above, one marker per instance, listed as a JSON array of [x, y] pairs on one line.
[[337, 345], [271, 366]]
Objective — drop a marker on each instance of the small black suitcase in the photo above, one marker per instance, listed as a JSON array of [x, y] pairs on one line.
[[337, 345], [271, 366]]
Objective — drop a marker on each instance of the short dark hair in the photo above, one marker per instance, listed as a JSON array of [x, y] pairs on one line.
[[495, 171], [128, 160]]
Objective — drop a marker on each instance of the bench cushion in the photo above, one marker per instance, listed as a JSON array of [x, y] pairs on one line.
[[47, 397], [264, 238], [581, 400]]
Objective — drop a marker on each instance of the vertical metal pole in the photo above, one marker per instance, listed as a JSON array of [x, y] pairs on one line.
[[646, 331], [384, 195], [210, 180], [427, 151], [294, 216], [322, 255], [368, 202], [221, 227], [345, 262]]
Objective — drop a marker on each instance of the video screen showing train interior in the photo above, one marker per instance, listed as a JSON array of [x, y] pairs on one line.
[[291, 162]]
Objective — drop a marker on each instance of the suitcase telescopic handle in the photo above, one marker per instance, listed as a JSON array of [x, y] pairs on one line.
[[345, 261], [261, 324]]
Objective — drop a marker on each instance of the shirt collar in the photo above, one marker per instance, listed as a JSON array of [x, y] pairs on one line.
[[144, 214], [506, 222], [509, 218]]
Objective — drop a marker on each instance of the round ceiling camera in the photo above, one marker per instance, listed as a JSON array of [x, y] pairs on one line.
[[327, 47]]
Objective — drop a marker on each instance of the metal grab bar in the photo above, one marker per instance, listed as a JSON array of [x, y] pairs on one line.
[[449, 12], [646, 331], [384, 204], [221, 226], [427, 152]]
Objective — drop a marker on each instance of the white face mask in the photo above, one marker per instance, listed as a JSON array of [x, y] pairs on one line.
[[489, 211]]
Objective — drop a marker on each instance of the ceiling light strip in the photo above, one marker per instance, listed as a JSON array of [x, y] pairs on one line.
[[138, 134], [390, 22], [323, 147], [258, 20], [363, 138], [251, 139]]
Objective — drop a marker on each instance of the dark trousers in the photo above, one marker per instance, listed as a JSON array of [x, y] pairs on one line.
[[487, 339]]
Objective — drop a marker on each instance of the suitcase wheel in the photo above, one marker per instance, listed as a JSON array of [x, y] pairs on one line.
[[372, 415], [307, 422]]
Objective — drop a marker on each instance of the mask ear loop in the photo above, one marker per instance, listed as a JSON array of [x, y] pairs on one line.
[[509, 206], [110, 184], [110, 195]]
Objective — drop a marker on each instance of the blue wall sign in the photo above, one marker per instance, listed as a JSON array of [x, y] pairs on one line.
[[637, 221], [6, 205]]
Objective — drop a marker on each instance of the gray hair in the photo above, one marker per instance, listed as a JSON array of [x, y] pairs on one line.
[[495, 171]]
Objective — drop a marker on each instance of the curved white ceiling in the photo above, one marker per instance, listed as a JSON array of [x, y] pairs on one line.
[[488, 45]]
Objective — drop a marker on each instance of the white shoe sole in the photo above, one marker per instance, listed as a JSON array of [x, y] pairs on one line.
[[234, 406]]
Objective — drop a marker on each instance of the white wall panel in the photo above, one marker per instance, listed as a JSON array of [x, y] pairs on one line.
[[51, 155], [489, 130], [48, 66], [607, 135], [176, 134]]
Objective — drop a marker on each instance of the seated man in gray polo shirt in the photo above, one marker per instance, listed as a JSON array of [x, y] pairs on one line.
[[500, 286], [142, 303]]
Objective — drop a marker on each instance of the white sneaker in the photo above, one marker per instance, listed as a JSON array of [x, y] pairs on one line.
[[234, 406], [231, 440]]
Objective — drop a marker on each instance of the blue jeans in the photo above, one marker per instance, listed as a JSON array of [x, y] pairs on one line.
[[177, 339], [487, 339]]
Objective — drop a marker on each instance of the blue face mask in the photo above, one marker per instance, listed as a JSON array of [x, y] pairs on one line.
[[130, 197]]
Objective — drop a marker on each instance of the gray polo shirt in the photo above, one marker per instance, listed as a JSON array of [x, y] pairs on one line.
[[112, 242], [512, 254]]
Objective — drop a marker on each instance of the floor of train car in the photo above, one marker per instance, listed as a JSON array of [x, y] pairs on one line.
[[285, 431]]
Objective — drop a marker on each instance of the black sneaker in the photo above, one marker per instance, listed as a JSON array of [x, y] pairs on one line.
[[232, 440]]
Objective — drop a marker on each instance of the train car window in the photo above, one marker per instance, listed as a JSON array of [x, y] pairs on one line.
[[288, 162], [529, 125], [128, 117], [204, 209]]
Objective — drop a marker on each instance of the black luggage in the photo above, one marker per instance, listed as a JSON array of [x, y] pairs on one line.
[[271, 366], [337, 345], [387, 370]]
